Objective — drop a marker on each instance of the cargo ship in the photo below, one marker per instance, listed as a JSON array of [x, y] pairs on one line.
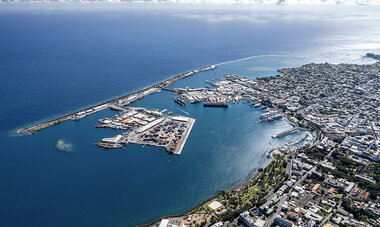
[[215, 104], [180, 102]]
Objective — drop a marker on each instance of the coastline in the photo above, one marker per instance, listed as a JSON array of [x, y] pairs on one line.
[[239, 185], [252, 176]]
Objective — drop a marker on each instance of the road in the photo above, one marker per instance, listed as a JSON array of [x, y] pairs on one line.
[[285, 197]]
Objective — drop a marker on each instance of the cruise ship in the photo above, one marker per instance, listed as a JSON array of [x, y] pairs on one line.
[[268, 114], [275, 117]]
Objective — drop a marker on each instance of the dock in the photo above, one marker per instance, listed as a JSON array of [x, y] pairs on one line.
[[287, 132], [298, 140], [116, 104], [183, 140], [147, 127]]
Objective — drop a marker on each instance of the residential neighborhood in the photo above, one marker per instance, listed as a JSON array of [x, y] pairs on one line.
[[332, 180]]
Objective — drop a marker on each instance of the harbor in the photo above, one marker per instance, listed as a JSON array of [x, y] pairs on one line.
[[115, 104]]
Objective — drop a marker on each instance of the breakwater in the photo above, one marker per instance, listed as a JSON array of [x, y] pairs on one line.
[[114, 103]]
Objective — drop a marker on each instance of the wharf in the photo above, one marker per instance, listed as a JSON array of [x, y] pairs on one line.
[[297, 140], [287, 132], [183, 140], [177, 151], [147, 127], [114, 103]]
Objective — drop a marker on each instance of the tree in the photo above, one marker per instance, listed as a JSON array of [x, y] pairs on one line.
[[261, 202]]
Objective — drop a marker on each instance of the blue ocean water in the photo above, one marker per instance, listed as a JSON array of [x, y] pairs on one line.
[[54, 62]]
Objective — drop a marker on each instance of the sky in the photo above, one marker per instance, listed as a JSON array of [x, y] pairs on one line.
[[229, 2]]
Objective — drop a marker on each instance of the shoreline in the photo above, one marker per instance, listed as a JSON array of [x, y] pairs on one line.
[[58, 118], [237, 186], [165, 83]]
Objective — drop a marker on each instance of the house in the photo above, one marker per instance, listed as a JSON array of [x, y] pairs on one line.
[[282, 222]]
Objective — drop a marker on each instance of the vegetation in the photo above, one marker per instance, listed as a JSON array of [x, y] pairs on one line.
[[343, 163], [347, 169], [372, 170], [315, 153], [360, 214], [251, 194]]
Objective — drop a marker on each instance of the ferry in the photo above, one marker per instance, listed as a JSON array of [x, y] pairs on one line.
[[180, 102], [268, 114], [275, 117]]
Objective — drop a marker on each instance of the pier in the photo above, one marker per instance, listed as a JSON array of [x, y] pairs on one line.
[[116, 103], [287, 132], [183, 140], [298, 140]]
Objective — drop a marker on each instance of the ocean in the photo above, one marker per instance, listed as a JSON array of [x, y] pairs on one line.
[[56, 61]]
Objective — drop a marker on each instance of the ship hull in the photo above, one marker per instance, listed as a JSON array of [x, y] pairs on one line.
[[212, 104]]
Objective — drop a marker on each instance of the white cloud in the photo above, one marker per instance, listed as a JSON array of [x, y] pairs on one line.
[[225, 2]]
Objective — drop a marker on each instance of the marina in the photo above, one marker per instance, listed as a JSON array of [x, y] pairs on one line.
[[299, 139]]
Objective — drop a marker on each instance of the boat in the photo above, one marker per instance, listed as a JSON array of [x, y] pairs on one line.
[[275, 117], [196, 101], [78, 117], [215, 104], [180, 102], [268, 114], [115, 108]]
